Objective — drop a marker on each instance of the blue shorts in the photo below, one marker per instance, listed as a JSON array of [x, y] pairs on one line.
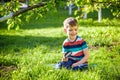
[[69, 63]]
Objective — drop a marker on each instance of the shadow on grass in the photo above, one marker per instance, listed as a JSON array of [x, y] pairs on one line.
[[17, 43], [40, 25]]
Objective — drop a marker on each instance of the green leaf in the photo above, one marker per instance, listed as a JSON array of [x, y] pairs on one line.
[[17, 27]]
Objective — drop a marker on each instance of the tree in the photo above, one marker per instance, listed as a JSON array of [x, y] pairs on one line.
[[11, 10], [113, 5]]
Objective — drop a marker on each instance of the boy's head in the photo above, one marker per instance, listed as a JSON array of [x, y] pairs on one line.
[[71, 28], [70, 22]]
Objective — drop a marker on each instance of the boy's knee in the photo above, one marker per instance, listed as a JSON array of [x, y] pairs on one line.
[[68, 64]]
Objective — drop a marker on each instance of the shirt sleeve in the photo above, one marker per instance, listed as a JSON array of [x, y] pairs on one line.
[[84, 45]]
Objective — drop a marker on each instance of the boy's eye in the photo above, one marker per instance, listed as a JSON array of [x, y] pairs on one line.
[[75, 29], [70, 30]]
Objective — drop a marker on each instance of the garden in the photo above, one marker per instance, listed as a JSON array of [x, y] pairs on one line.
[[30, 52]]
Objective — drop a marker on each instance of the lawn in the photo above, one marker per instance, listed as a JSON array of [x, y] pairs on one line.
[[27, 54]]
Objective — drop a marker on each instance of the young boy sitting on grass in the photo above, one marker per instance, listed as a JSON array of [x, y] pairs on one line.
[[74, 47]]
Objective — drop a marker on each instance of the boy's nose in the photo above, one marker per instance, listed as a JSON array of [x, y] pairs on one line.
[[74, 31]]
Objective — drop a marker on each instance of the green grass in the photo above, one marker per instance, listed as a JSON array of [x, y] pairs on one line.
[[25, 54]]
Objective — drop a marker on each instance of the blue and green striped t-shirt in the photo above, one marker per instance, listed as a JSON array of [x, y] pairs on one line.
[[76, 47]]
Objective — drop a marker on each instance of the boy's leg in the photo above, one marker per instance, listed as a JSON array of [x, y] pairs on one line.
[[67, 64], [80, 67]]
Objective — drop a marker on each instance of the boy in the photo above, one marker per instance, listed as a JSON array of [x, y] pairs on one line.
[[74, 47]]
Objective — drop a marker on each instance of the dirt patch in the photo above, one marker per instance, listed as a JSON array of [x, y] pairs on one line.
[[4, 70]]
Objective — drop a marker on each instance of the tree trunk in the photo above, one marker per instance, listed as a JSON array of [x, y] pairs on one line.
[[99, 13], [70, 10], [27, 2], [85, 13]]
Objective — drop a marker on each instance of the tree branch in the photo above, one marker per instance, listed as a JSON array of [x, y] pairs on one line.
[[29, 8], [21, 11]]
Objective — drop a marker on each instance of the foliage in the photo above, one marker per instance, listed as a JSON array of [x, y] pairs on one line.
[[13, 6], [85, 5], [94, 5]]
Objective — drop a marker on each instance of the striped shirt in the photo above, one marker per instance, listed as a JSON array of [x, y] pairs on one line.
[[76, 47]]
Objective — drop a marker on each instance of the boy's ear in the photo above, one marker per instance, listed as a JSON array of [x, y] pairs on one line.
[[65, 30]]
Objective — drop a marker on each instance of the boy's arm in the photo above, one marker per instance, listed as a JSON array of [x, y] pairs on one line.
[[85, 58]]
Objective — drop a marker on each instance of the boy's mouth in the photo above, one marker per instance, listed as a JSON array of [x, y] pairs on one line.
[[73, 35]]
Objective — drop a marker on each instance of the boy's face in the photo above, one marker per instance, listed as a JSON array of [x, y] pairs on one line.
[[72, 32]]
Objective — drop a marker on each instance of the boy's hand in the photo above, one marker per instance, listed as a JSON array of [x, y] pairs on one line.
[[75, 64], [64, 59]]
